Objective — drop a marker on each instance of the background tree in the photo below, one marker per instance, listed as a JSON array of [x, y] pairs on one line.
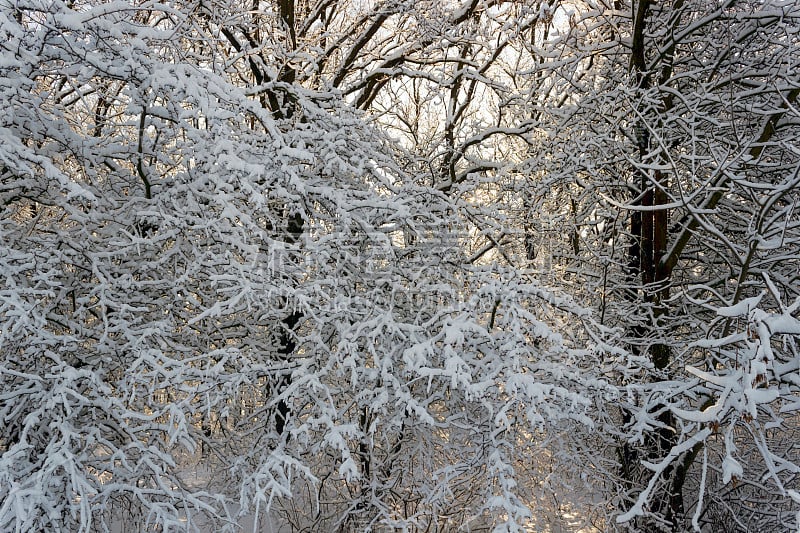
[[677, 149]]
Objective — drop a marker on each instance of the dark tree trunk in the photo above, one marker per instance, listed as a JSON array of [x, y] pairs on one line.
[[650, 281]]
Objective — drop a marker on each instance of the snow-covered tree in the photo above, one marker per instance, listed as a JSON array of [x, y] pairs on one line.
[[289, 260], [223, 295], [671, 170]]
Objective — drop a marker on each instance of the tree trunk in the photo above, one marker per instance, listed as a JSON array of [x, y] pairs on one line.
[[649, 230]]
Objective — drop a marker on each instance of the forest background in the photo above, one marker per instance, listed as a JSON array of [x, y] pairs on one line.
[[372, 265]]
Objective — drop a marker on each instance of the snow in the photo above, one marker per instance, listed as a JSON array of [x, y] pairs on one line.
[[741, 308], [216, 314]]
